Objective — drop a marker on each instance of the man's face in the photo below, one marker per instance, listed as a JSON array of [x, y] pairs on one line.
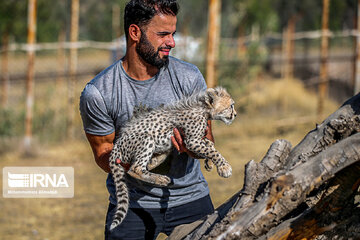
[[157, 39]]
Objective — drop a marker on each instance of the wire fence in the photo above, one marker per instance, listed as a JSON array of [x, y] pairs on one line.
[[267, 48], [240, 60], [52, 59]]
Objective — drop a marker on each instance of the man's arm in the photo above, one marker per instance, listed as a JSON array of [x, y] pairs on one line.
[[209, 134], [101, 147]]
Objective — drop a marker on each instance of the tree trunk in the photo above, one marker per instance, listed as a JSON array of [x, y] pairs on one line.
[[308, 192]]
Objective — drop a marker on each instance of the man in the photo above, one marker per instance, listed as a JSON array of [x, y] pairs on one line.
[[147, 75]]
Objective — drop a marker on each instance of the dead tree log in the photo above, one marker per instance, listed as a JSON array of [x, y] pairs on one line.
[[308, 192]]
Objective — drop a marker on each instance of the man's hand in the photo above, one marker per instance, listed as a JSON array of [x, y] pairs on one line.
[[177, 140]]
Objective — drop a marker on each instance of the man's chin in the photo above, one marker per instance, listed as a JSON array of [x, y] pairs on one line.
[[163, 62]]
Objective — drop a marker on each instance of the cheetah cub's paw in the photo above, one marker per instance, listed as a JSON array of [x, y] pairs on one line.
[[224, 170], [162, 181], [208, 165]]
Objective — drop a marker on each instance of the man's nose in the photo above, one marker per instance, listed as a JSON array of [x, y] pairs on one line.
[[170, 41]]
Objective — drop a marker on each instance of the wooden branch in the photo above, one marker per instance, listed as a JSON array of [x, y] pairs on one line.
[[321, 135], [285, 192], [334, 213], [283, 195]]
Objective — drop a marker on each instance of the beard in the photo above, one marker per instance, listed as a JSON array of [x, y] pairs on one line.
[[148, 53]]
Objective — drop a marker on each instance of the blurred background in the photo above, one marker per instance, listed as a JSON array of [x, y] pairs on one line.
[[288, 64]]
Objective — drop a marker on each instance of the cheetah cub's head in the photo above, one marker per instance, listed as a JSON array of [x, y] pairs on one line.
[[220, 104]]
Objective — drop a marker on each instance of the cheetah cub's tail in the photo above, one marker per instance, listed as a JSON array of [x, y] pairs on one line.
[[122, 196]]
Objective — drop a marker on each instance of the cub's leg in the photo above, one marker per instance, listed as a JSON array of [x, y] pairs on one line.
[[206, 149], [142, 157], [140, 172], [208, 165], [156, 160]]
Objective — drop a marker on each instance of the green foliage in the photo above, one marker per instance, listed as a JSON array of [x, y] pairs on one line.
[[52, 17], [13, 19], [262, 13], [306, 11], [11, 123], [237, 17], [235, 76], [96, 19], [49, 126], [97, 22], [342, 13], [192, 18], [256, 54]]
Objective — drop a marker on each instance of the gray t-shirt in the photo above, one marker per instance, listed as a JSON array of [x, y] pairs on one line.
[[107, 103]]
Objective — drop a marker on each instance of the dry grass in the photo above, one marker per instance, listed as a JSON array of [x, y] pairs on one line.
[[261, 107], [80, 217]]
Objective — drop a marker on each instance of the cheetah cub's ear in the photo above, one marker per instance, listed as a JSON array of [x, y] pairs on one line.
[[212, 94]]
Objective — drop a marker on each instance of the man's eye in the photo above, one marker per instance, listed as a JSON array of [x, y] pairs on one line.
[[163, 34]]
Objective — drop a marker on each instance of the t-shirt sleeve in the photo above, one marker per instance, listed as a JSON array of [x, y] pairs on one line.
[[94, 114], [199, 82]]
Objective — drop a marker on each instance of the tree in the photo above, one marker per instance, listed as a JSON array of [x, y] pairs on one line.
[[13, 19], [53, 17]]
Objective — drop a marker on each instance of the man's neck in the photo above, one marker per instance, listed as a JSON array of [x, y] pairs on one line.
[[137, 68]]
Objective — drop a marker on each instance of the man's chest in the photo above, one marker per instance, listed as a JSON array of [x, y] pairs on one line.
[[136, 100]]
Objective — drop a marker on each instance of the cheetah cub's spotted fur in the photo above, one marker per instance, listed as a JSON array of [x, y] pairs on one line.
[[145, 141]]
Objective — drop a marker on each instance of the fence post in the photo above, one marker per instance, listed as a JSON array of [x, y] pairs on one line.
[[73, 61], [323, 83], [357, 64], [284, 52], [241, 47], [289, 48], [31, 40], [5, 69], [61, 58], [213, 41]]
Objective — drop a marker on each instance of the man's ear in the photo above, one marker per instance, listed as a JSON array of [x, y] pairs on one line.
[[134, 32]]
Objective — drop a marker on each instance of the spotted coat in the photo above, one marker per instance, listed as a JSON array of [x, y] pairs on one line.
[[145, 141]]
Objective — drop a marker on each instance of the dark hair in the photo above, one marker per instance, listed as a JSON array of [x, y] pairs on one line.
[[140, 12]]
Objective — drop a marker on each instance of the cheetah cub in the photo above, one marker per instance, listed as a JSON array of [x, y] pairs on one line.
[[145, 141]]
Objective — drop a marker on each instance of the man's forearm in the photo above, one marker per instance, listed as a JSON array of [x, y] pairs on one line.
[[103, 161], [101, 147]]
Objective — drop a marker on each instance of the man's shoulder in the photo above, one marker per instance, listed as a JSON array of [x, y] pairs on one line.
[[107, 74], [187, 76], [181, 66], [105, 80]]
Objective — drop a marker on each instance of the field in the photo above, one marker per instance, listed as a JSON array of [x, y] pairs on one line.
[[268, 109]]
